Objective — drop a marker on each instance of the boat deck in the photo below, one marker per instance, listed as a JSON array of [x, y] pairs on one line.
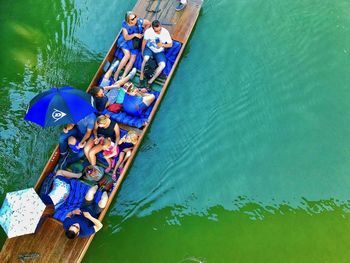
[[49, 243]]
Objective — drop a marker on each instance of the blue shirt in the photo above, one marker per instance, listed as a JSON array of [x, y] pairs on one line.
[[87, 123], [86, 226]]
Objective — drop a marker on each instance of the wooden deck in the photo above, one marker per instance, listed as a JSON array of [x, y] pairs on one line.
[[49, 242]]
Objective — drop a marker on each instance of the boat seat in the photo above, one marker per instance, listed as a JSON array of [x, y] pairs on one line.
[[138, 122], [170, 54]]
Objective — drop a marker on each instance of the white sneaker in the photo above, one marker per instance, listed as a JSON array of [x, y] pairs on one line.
[[132, 73], [115, 65], [91, 193]]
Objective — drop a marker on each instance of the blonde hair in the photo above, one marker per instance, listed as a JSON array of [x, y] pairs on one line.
[[128, 14], [128, 86], [132, 137], [102, 119]]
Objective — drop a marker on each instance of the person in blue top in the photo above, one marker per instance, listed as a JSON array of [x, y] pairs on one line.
[[135, 101], [81, 131], [83, 221], [132, 32]]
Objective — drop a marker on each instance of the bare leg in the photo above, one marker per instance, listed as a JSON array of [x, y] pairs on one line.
[[88, 147], [129, 65], [93, 152], [159, 70], [109, 162], [122, 81], [145, 59], [127, 156], [122, 63], [148, 99], [120, 159], [109, 72]]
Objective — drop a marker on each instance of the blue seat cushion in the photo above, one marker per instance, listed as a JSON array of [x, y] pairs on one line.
[[133, 121], [170, 54], [75, 199]]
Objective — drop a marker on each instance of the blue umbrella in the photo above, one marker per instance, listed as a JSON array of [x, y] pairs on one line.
[[58, 106]]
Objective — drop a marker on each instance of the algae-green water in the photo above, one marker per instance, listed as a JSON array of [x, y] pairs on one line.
[[248, 157]]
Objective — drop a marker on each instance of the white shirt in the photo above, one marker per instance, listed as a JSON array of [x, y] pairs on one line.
[[151, 37]]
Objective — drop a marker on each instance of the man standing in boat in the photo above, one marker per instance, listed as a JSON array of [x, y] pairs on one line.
[[155, 39]]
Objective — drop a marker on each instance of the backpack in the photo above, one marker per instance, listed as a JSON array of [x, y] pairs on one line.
[[150, 68]]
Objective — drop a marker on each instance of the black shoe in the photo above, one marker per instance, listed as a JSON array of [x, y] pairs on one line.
[[180, 7]]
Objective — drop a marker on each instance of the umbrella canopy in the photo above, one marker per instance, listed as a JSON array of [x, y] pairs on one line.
[[20, 213], [58, 106]]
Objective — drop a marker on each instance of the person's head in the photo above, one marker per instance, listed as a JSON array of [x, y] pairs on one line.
[[103, 120], [129, 87], [131, 137], [106, 143], [73, 231], [156, 26], [131, 18], [72, 140], [97, 92]]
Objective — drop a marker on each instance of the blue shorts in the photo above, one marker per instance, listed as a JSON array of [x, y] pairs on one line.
[[160, 57]]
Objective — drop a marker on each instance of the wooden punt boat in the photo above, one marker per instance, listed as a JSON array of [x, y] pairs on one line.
[[49, 243]]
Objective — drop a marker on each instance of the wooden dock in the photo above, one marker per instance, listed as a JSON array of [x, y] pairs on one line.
[[49, 243]]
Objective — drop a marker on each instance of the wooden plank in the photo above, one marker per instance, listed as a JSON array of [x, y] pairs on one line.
[[179, 24]]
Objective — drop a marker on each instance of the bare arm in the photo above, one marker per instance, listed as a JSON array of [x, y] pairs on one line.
[[117, 133], [114, 86], [128, 37], [144, 41], [86, 136], [146, 24], [68, 174], [97, 224], [74, 212]]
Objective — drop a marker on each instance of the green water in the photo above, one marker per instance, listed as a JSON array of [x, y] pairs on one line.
[[248, 157]]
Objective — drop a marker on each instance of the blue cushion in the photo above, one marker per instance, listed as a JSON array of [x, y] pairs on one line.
[[170, 54], [133, 121], [75, 199]]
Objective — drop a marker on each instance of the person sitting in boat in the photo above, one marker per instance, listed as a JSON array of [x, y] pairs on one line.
[[126, 144], [101, 100], [76, 152], [130, 41], [108, 93], [135, 101], [110, 150], [83, 221], [155, 39], [81, 131], [104, 127]]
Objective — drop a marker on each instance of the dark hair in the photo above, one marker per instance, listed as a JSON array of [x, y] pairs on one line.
[[94, 90], [155, 23], [71, 234]]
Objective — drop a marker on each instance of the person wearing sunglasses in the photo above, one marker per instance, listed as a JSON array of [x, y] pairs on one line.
[[130, 41]]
